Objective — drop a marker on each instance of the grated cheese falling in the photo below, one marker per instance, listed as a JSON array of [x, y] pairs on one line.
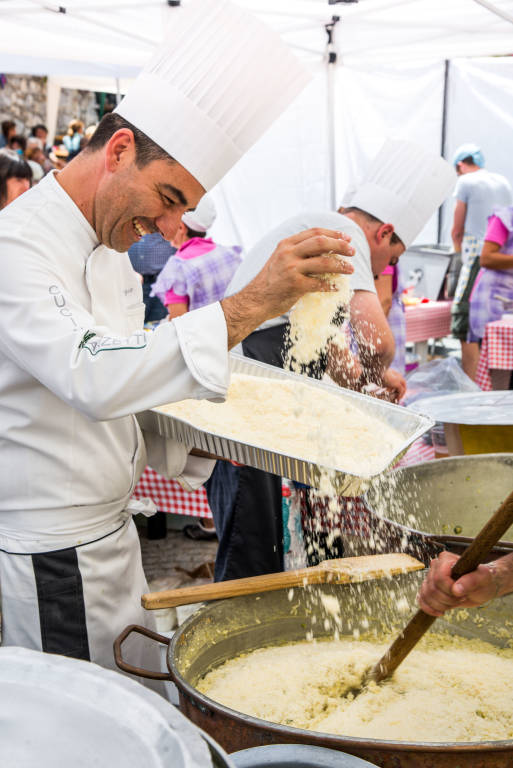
[[311, 321]]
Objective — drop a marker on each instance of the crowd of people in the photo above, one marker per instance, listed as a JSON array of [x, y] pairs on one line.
[[29, 158], [76, 365]]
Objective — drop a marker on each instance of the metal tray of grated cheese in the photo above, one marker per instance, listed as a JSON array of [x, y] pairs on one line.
[[410, 425]]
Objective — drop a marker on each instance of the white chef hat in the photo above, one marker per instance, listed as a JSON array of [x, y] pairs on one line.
[[202, 217], [404, 186], [213, 87]]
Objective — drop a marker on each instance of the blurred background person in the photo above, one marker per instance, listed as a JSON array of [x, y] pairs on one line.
[[8, 130], [148, 257], [493, 289], [40, 132], [200, 270], [88, 133], [15, 176], [35, 153], [477, 192], [18, 143], [72, 139], [389, 289], [59, 157]]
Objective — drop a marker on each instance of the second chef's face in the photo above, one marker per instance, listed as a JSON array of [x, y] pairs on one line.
[[132, 201]]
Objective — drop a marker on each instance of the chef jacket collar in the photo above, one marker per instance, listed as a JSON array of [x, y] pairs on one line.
[[76, 219]]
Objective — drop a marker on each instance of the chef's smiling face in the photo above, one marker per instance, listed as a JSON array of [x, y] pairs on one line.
[[132, 201]]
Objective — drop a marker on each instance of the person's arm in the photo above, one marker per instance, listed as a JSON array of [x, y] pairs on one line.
[[375, 340], [492, 258], [440, 593], [48, 333], [383, 285], [458, 224], [176, 304], [376, 348], [293, 269], [175, 310]]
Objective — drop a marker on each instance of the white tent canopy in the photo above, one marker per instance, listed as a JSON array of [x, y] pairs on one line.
[[115, 38], [388, 81]]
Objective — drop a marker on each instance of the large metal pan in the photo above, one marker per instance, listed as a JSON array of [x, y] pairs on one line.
[[227, 628], [449, 499]]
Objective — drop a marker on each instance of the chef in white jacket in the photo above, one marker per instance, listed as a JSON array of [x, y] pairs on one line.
[[75, 363]]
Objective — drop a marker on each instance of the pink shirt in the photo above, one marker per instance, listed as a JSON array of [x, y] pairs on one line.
[[496, 232], [197, 246]]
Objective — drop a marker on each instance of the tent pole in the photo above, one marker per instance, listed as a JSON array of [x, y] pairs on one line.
[[443, 139], [331, 64], [118, 91]]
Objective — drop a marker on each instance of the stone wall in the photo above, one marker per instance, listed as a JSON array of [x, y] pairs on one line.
[[23, 99]]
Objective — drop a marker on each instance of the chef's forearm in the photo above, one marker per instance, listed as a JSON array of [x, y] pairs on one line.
[[243, 312]]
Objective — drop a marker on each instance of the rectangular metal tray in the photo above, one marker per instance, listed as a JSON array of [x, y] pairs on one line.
[[410, 425]]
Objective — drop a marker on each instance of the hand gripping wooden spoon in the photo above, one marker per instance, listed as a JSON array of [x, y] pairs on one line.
[[485, 540]]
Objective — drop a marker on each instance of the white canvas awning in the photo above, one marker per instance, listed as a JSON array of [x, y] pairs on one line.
[[388, 80]]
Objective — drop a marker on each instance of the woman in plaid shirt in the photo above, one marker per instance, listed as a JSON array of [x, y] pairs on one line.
[[199, 272], [494, 284]]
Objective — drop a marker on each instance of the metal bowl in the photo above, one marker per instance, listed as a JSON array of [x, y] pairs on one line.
[[450, 499], [230, 627]]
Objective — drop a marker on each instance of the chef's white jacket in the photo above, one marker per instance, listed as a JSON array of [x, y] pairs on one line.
[[75, 365]]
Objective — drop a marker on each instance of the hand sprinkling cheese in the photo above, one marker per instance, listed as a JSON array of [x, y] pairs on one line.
[[311, 320]]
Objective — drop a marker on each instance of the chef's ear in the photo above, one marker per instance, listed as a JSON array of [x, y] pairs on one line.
[[384, 231], [120, 150]]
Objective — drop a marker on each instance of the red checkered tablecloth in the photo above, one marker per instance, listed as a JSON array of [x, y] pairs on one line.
[[169, 496], [417, 452], [496, 352], [431, 320]]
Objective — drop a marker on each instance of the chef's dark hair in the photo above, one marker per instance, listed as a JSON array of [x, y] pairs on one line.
[[12, 166], [394, 239], [146, 150]]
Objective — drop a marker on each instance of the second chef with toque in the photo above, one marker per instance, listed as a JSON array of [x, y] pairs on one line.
[[402, 187], [75, 363]]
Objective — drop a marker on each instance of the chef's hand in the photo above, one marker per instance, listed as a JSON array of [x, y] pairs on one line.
[[392, 379], [440, 593], [293, 269]]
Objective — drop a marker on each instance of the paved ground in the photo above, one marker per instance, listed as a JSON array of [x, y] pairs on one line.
[[165, 560]]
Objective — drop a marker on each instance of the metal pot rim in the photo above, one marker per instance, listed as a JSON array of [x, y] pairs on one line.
[[315, 737]]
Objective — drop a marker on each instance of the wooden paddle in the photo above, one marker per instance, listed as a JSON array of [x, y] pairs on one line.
[[485, 540], [340, 571]]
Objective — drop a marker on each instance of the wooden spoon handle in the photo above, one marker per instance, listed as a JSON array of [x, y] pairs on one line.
[[233, 588], [486, 539], [339, 571]]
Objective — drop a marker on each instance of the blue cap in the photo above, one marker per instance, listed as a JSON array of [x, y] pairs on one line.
[[468, 150]]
